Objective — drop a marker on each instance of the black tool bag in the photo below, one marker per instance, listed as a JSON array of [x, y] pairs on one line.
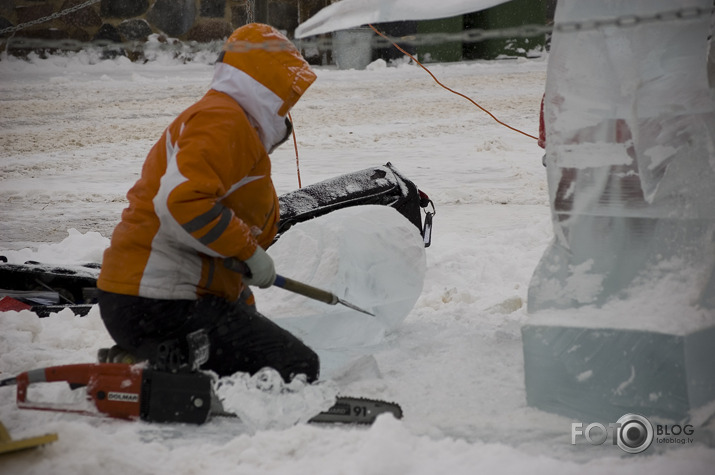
[[383, 185]]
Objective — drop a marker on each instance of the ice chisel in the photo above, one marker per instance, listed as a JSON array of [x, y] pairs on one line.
[[297, 287]]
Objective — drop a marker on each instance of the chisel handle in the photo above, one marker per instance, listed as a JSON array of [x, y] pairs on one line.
[[295, 286], [290, 285], [305, 290]]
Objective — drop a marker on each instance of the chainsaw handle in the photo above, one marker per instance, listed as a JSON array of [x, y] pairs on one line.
[[123, 391], [75, 375]]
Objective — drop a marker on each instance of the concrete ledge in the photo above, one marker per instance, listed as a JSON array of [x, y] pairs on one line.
[[600, 374]]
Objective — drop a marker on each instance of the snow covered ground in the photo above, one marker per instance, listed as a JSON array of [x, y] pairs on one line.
[[73, 136]]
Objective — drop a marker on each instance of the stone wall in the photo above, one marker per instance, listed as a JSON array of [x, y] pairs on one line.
[[135, 20]]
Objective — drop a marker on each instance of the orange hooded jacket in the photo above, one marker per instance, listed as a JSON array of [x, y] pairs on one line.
[[205, 193]]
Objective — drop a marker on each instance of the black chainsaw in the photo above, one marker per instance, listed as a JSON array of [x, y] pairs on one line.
[[128, 391]]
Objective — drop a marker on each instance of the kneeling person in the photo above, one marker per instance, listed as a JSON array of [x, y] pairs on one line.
[[206, 195]]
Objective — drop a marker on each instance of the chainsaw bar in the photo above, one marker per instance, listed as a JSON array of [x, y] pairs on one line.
[[346, 410], [357, 410]]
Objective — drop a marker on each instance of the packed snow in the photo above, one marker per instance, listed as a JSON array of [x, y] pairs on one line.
[[74, 132]]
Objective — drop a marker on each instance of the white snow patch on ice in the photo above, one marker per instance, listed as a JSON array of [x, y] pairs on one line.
[[585, 376]]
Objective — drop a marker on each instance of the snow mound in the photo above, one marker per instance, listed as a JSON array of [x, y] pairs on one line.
[[76, 248], [370, 256]]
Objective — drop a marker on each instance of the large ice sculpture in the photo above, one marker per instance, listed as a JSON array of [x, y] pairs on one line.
[[622, 303]]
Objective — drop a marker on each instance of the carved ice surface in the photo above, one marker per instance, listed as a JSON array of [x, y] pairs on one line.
[[630, 154], [622, 302], [370, 256]]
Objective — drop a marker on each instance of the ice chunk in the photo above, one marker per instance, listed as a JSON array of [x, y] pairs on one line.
[[371, 256], [615, 371], [630, 153], [265, 401], [626, 291]]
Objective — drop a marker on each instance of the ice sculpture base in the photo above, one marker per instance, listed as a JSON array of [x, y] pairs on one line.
[[600, 374]]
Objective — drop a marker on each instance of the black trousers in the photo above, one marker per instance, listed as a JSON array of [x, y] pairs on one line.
[[240, 338]]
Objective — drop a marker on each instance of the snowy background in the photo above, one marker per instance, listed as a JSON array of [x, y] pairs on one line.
[[73, 136]]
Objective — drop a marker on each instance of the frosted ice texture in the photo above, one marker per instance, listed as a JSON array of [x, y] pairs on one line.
[[630, 157], [370, 256]]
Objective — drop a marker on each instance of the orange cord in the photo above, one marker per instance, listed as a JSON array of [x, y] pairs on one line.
[[295, 146], [449, 89], [295, 142]]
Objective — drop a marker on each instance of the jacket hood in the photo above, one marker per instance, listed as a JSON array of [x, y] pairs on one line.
[[264, 72]]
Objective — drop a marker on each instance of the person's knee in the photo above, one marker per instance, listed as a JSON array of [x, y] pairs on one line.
[[314, 367]]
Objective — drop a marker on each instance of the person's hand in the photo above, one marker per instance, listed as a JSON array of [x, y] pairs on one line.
[[263, 271]]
